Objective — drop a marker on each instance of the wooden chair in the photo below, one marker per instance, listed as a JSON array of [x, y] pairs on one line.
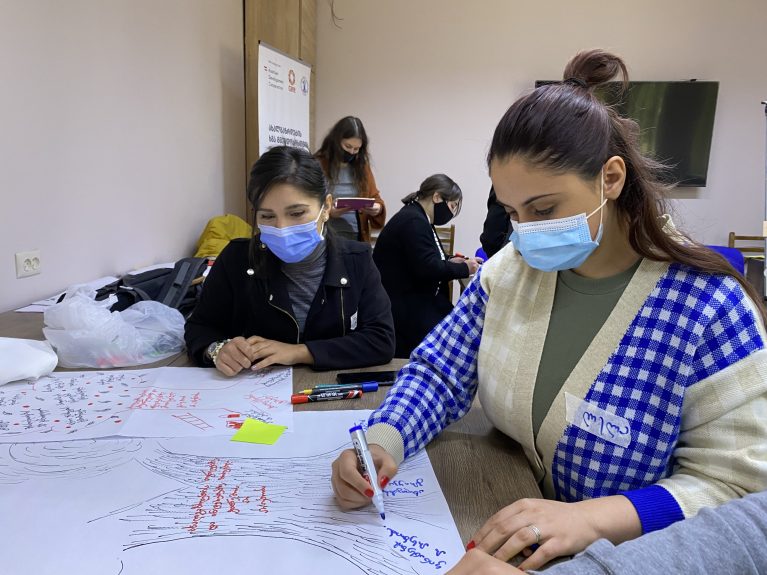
[[750, 250], [446, 235]]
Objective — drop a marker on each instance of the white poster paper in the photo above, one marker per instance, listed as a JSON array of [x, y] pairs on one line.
[[163, 402], [283, 100], [198, 506]]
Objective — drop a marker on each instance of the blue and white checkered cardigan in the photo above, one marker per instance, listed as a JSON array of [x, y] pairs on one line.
[[681, 360]]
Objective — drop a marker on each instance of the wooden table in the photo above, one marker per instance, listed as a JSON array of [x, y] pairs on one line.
[[21, 325], [480, 469]]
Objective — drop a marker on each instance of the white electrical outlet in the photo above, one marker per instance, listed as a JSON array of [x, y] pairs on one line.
[[27, 263]]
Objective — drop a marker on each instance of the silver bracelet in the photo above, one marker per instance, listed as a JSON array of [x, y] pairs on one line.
[[219, 346]]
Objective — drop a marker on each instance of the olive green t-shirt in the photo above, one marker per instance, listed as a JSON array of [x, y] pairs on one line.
[[581, 307]]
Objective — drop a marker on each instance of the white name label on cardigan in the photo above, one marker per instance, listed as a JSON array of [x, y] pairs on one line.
[[597, 421], [354, 320]]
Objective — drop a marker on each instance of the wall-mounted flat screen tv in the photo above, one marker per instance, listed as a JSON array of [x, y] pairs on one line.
[[676, 121]]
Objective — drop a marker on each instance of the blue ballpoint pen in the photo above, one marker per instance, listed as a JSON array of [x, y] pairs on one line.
[[368, 466]]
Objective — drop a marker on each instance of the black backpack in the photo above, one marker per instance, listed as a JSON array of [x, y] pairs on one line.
[[178, 287]]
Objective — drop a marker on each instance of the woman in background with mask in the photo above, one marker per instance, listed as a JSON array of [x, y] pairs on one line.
[[293, 293], [345, 161], [627, 360], [415, 271]]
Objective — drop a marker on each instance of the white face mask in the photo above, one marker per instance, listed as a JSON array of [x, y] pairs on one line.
[[558, 244]]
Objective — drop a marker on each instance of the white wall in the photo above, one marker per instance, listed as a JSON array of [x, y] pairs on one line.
[[121, 134], [431, 78]]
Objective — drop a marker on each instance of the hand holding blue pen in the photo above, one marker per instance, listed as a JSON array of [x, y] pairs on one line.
[[368, 466]]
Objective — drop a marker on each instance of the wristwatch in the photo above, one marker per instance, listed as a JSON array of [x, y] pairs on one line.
[[214, 348]]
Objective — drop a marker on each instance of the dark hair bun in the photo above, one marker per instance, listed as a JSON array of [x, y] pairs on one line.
[[595, 67]]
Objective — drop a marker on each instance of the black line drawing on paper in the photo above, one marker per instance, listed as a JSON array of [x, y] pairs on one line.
[[285, 498]]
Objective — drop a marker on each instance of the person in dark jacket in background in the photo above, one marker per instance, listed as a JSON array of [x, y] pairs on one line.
[[415, 270], [497, 227], [293, 293]]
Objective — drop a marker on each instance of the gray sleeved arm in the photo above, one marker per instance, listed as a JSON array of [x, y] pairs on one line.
[[729, 539]]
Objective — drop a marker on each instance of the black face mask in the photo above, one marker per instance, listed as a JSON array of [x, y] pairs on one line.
[[442, 214], [348, 157]]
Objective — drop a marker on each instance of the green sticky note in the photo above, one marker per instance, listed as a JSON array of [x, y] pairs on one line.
[[254, 431]]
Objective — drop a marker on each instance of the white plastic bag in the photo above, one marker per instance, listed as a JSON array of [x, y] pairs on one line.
[[86, 334], [22, 359]]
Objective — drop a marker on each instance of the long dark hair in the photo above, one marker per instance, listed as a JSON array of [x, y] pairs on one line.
[[566, 128], [282, 165], [441, 184], [332, 153]]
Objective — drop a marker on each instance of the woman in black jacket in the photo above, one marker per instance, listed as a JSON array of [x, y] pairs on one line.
[[415, 270], [292, 294]]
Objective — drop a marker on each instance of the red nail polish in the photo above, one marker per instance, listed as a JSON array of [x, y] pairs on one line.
[[384, 481], [368, 492], [471, 545]]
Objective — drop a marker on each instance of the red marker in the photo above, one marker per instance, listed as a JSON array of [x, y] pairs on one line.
[[325, 396]]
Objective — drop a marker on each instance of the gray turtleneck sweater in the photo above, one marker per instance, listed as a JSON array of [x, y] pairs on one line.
[[303, 280]]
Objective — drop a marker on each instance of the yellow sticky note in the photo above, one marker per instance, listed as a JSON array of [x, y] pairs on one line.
[[254, 431]]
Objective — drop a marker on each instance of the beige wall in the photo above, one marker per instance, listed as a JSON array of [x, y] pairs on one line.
[[123, 121], [431, 78], [121, 134]]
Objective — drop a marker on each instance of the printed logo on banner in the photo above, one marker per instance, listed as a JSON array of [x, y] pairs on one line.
[[283, 118]]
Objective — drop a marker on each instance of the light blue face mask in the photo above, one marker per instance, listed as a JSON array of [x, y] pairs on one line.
[[293, 243], [560, 244]]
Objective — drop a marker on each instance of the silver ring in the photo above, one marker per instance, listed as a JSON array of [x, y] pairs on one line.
[[536, 532]]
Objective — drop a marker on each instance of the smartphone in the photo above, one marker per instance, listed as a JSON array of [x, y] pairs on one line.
[[380, 377]]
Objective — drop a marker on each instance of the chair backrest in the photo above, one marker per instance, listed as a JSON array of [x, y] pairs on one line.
[[750, 250], [446, 235]]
